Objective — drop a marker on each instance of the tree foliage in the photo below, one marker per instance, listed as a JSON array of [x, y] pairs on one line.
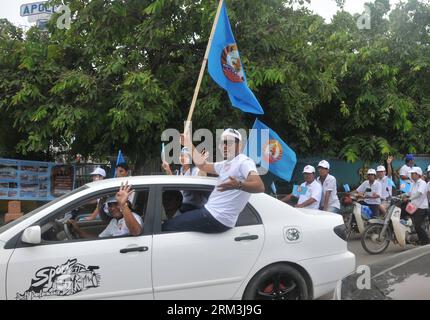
[[126, 70]]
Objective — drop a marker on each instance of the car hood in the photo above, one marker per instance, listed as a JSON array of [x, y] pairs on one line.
[[403, 276]]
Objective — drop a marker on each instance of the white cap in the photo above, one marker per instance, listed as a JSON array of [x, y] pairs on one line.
[[233, 133], [309, 169], [324, 164], [99, 171], [381, 169], [371, 171], [416, 170]]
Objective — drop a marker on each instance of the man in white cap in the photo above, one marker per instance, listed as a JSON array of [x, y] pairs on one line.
[[312, 198], [387, 189], [418, 196], [237, 179], [371, 191], [96, 175], [329, 200]]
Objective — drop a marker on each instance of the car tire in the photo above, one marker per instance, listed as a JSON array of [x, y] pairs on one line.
[[277, 282]]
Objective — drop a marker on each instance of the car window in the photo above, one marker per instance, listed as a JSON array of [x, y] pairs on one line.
[[32, 213], [248, 217], [92, 217]]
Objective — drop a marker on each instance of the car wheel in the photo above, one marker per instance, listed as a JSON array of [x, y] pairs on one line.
[[277, 282]]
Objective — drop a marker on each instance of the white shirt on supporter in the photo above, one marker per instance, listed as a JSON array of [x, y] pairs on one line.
[[226, 206], [387, 190], [428, 191], [376, 187], [419, 186], [404, 171], [117, 228], [314, 191], [329, 184]]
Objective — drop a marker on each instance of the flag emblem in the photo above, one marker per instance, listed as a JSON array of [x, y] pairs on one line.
[[272, 151], [231, 64]]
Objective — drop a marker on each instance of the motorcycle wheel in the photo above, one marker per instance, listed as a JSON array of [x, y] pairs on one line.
[[371, 241]]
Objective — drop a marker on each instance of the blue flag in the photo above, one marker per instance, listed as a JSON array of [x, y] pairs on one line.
[[299, 190], [347, 188], [273, 187], [120, 158], [391, 183], [163, 153], [266, 148], [405, 187], [225, 67]]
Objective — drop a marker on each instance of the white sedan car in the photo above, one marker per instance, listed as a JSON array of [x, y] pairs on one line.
[[274, 252]]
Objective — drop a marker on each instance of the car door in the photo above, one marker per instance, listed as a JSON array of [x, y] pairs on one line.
[[117, 268], [191, 265]]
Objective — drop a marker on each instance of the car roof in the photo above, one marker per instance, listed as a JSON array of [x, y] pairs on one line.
[[135, 180]]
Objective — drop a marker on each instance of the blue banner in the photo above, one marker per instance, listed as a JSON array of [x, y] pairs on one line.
[[268, 150], [225, 67], [299, 191]]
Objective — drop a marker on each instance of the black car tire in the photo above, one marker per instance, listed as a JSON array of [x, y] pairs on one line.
[[277, 282]]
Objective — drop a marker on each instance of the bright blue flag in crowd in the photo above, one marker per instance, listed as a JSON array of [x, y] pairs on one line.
[[391, 183], [225, 67], [266, 148], [405, 187], [299, 190], [273, 187], [347, 188], [120, 158]]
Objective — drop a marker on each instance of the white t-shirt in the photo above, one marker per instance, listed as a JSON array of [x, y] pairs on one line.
[[194, 198], [376, 187], [330, 184], [428, 190], [387, 190], [226, 206], [314, 191], [404, 171], [117, 228], [419, 186]]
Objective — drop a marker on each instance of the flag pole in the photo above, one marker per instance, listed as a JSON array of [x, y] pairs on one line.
[[202, 70]]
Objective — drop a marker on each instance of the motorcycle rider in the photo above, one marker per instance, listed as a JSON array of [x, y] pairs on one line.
[[418, 197], [371, 191], [404, 170], [387, 189]]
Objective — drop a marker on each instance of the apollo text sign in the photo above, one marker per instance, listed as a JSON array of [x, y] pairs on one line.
[[36, 8]]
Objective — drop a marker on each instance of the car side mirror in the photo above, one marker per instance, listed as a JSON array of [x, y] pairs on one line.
[[32, 235]]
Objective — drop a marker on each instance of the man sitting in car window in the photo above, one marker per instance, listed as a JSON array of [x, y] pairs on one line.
[[124, 221]]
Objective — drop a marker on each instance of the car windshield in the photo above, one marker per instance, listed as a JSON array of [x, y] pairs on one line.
[[28, 215]]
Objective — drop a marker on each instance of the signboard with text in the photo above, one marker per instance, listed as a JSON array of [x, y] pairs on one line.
[[36, 8], [34, 180]]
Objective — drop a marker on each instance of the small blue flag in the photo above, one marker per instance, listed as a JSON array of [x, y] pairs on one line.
[[347, 188], [299, 190], [273, 186], [119, 159], [391, 183], [266, 147], [225, 67], [404, 187], [163, 154]]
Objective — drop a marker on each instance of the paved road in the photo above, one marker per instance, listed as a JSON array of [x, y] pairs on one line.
[[363, 258]]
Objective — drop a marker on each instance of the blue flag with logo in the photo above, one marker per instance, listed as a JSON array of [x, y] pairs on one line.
[[226, 69], [266, 148], [299, 191], [405, 187]]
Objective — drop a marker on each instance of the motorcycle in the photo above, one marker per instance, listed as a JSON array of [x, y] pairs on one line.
[[356, 217], [380, 232]]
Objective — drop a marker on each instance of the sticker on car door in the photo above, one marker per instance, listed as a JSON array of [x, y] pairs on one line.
[[63, 280]]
